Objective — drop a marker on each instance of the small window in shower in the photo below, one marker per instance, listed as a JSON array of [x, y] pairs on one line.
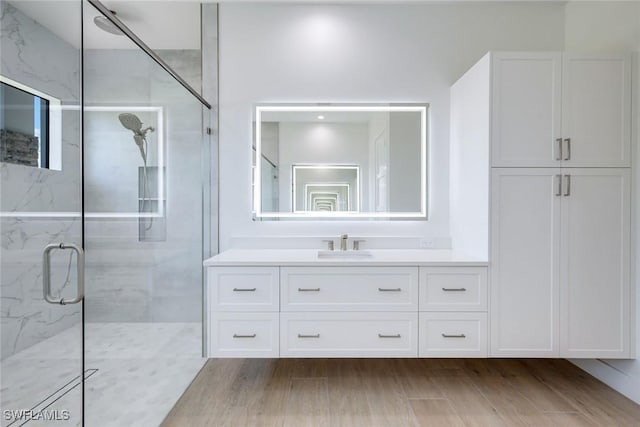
[[30, 124]]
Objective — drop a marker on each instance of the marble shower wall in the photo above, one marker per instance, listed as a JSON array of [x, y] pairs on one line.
[[39, 206], [129, 279]]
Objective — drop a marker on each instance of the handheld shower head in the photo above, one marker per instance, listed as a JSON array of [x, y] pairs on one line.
[[131, 122]]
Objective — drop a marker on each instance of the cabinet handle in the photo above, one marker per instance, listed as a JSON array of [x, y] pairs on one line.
[[568, 141], [244, 336], [454, 336], [559, 191], [559, 155], [454, 289], [389, 336], [568, 190], [308, 289], [390, 289], [244, 289], [308, 336]]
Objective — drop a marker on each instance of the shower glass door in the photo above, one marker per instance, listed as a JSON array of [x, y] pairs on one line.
[[41, 309], [144, 163]]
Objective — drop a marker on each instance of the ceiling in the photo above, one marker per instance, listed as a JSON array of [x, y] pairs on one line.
[[160, 24]]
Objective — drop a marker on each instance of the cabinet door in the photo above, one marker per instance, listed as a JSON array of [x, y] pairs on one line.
[[526, 110], [525, 241], [595, 264], [596, 103]]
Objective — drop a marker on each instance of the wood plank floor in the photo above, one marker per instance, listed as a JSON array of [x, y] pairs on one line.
[[399, 392]]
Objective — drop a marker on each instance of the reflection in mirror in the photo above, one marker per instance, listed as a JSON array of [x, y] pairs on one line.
[[313, 184], [30, 126], [343, 161]]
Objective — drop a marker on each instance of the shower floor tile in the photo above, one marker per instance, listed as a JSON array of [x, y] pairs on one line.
[[141, 369]]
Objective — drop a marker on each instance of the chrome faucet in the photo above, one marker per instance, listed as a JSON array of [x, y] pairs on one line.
[[343, 242]]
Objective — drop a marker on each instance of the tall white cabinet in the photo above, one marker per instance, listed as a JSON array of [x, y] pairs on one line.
[[560, 109], [556, 128]]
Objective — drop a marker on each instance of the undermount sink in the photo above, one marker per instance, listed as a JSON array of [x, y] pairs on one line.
[[345, 254]]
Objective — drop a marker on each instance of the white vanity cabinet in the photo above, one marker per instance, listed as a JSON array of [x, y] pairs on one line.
[[549, 179], [560, 109], [347, 310], [453, 312], [349, 289], [243, 311]]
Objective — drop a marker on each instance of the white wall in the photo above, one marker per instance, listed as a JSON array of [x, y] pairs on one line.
[[357, 53], [613, 26]]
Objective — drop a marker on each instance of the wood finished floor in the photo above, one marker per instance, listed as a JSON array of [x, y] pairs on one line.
[[399, 392]]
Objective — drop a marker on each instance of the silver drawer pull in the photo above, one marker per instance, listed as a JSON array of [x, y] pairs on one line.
[[244, 336], [308, 289], [308, 336], [244, 289], [454, 289], [390, 289], [453, 336], [389, 336]]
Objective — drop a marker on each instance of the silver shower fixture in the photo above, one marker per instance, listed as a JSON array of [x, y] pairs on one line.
[[104, 24], [134, 124]]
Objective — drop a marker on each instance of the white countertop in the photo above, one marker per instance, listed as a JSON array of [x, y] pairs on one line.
[[309, 257]]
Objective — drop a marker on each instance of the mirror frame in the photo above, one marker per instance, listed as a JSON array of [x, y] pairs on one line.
[[421, 108]]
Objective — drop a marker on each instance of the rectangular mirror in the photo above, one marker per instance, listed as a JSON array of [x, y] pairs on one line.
[[340, 161], [30, 126]]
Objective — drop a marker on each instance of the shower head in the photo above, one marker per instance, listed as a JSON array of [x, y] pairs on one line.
[[131, 122], [104, 24]]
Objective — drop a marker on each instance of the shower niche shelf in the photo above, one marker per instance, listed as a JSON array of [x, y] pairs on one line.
[[152, 204]]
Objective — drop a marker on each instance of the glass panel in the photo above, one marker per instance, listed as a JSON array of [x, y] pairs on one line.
[[41, 357], [143, 229]]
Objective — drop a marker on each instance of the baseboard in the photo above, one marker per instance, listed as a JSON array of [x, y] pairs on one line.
[[620, 381]]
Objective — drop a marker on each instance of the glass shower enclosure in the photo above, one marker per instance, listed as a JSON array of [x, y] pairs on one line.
[[104, 176]]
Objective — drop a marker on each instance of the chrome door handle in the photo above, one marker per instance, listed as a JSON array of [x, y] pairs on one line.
[[308, 289], [559, 191], [568, 141], [568, 190], [46, 273], [389, 336], [244, 336], [454, 336], [390, 289], [559, 143], [244, 289], [454, 289], [308, 336]]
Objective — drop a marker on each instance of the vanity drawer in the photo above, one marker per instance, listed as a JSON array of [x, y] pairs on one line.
[[367, 334], [453, 334], [453, 289], [244, 335], [243, 288], [349, 289]]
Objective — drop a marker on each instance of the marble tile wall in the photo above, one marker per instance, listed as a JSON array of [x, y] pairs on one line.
[[38, 206]]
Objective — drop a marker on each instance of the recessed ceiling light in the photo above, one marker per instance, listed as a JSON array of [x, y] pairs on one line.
[[320, 117]]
